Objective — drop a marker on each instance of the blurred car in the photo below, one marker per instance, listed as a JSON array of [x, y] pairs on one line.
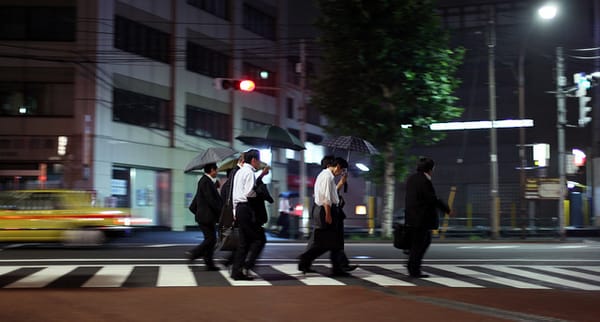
[[67, 216]]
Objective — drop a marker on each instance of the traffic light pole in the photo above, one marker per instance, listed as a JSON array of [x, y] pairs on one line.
[[495, 202], [561, 121]]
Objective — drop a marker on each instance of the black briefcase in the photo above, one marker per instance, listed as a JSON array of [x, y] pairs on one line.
[[401, 236]]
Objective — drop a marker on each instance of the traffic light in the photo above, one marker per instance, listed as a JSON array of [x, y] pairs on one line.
[[583, 83], [244, 85], [584, 110]]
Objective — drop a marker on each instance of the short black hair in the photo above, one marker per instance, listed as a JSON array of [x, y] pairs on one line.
[[251, 154], [425, 164], [341, 162], [209, 167], [326, 161]]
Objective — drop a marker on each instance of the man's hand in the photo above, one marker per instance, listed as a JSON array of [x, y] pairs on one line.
[[328, 218]]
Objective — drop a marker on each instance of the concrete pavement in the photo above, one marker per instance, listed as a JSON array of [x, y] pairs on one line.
[[296, 303]]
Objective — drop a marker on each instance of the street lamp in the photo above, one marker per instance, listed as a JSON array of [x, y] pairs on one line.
[[546, 12]]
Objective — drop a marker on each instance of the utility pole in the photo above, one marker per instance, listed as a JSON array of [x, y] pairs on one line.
[[494, 215], [302, 110], [561, 121]]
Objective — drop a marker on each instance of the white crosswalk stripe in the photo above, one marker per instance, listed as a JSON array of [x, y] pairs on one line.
[[110, 276], [42, 277], [168, 275], [175, 275]]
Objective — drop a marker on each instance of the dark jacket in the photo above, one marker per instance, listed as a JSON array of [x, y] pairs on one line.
[[258, 203], [206, 205], [421, 203]]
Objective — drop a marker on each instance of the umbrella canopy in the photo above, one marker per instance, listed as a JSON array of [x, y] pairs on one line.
[[271, 136], [232, 163], [210, 155], [350, 143]]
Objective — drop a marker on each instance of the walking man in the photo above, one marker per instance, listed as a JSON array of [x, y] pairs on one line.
[[328, 220], [422, 206], [206, 206], [251, 235]]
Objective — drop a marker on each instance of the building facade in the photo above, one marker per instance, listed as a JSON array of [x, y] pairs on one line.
[[118, 96]]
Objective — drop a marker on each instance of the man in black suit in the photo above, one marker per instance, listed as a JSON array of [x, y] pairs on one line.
[[206, 206], [421, 212]]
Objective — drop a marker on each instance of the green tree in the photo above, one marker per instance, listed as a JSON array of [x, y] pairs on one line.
[[386, 63]]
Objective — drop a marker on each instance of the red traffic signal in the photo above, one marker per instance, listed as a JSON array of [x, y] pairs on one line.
[[245, 85]]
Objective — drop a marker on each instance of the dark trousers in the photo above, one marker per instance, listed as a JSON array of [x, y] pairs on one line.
[[337, 257], [206, 249], [314, 249], [252, 240], [420, 239]]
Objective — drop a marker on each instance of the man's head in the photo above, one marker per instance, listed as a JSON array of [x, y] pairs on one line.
[[337, 165], [326, 161], [211, 169], [252, 157], [425, 165]]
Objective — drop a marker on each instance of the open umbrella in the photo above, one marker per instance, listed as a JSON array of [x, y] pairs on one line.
[[232, 163], [210, 155], [271, 136], [350, 143]]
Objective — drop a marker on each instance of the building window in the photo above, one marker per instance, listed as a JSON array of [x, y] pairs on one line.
[[290, 107], [219, 8], [206, 61], [36, 99], [259, 22], [140, 39], [37, 23], [206, 123], [138, 109], [248, 125], [254, 73]]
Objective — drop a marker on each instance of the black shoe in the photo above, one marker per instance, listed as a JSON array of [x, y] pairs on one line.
[[305, 269], [190, 257], [340, 274], [242, 277], [420, 275], [212, 268], [350, 268]]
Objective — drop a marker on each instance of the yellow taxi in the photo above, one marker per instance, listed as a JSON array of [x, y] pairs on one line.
[[67, 216]]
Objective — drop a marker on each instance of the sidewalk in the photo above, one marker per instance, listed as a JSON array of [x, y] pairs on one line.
[[297, 303]]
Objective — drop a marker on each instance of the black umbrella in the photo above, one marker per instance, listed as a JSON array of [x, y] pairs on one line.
[[271, 136], [350, 143], [210, 155]]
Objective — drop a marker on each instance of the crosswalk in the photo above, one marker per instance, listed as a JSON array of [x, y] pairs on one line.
[[582, 277]]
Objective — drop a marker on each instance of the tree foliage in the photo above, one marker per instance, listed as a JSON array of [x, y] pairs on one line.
[[386, 63]]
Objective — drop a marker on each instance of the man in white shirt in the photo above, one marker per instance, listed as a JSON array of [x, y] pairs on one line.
[[327, 218], [251, 234]]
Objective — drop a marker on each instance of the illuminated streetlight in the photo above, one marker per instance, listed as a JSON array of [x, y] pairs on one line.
[[548, 11]]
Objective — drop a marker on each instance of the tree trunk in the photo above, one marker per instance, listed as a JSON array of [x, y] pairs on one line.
[[389, 191]]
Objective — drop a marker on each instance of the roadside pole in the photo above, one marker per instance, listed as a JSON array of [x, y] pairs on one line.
[[560, 124]]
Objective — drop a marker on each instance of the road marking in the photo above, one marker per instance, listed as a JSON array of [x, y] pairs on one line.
[[308, 279], [257, 281], [43, 277], [488, 277], [110, 276], [447, 281], [175, 275], [380, 279], [543, 277], [568, 271]]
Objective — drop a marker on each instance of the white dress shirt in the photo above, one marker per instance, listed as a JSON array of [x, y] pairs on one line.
[[325, 189], [243, 182]]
